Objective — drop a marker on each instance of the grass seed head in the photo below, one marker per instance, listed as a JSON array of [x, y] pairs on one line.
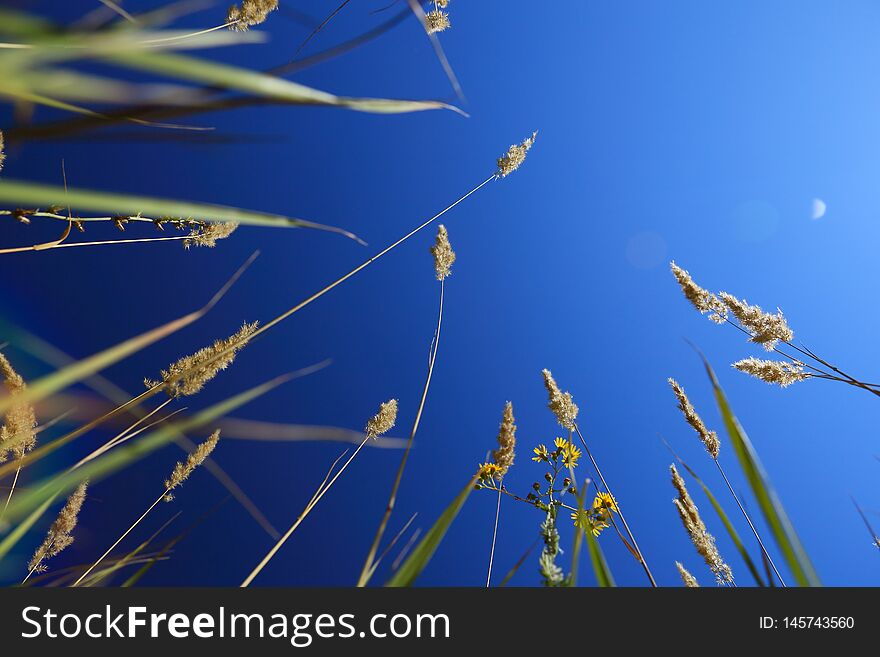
[[2, 153], [182, 471], [444, 256], [59, 535], [250, 13], [190, 374], [208, 234], [504, 455], [689, 580], [766, 328], [383, 421], [514, 157], [703, 300], [560, 403], [709, 438], [776, 372], [18, 433], [437, 21]]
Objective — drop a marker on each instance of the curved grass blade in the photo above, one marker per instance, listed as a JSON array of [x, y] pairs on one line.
[[725, 520], [518, 564], [421, 555], [771, 506], [27, 194]]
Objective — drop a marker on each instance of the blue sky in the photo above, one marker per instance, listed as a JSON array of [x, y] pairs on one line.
[[686, 131]]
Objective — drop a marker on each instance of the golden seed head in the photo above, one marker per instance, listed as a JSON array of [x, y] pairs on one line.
[[778, 372], [443, 254], [443, 4], [18, 433], [2, 153], [59, 535], [702, 300], [504, 455], [182, 471], [703, 541], [383, 421], [514, 157], [766, 329], [437, 21], [561, 403], [208, 234], [689, 580], [190, 374], [250, 13], [709, 438]]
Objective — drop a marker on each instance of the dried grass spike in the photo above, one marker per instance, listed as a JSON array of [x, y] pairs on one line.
[[504, 455], [560, 403], [709, 438], [59, 535], [767, 329], [703, 300], [250, 13], [514, 157], [190, 374], [689, 580], [444, 256], [383, 421], [18, 432], [208, 234], [182, 471], [776, 372]]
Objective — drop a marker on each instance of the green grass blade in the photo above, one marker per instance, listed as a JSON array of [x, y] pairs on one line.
[[261, 84], [419, 558], [24, 527], [578, 536], [771, 506], [27, 194]]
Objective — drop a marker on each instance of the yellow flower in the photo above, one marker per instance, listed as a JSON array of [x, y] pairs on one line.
[[585, 521], [541, 454], [560, 443], [605, 502], [570, 455], [488, 471]]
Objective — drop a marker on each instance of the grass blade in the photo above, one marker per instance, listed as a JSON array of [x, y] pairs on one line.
[[421, 555], [774, 513]]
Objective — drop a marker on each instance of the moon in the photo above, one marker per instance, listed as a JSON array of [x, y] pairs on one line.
[[818, 210]]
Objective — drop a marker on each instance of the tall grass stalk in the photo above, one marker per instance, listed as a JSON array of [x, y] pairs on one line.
[[494, 535]]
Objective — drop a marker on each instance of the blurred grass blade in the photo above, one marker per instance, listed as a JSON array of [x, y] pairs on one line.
[[24, 527], [26, 194], [260, 84], [518, 564], [121, 457], [604, 578], [774, 513], [722, 515], [578, 537], [421, 555]]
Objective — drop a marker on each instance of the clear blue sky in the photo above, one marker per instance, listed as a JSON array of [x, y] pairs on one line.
[[690, 131]]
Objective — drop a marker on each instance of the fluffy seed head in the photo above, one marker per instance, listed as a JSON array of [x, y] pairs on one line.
[[437, 21], [443, 4], [250, 13], [561, 403], [59, 535], [766, 329], [504, 455], [208, 234], [778, 372], [190, 374], [702, 300], [703, 541], [443, 254], [383, 421], [17, 433], [709, 438], [182, 471], [689, 580], [514, 157]]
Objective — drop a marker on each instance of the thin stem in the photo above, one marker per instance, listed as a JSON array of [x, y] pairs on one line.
[[494, 537], [322, 490], [11, 490], [121, 538], [641, 557], [392, 498], [749, 520]]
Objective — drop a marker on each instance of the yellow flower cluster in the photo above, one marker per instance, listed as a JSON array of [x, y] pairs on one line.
[[598, 517]]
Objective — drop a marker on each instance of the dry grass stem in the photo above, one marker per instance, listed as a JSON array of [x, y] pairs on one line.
[[709, 438], [182, 471]]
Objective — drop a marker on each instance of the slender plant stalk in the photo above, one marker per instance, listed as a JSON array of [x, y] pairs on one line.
[[749, 521], [632, 538], [494, 537], [392, 498], [322, 490], [121, 538]]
